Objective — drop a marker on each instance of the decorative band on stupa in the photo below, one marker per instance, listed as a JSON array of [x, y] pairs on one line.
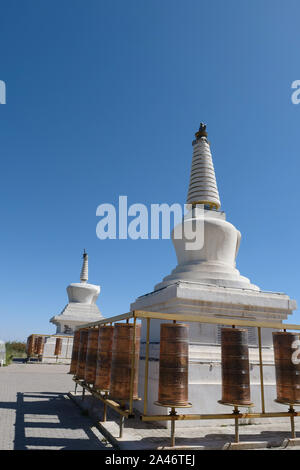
[[203, 185]]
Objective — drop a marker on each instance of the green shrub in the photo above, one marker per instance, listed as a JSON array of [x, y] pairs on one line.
[[14, 349]]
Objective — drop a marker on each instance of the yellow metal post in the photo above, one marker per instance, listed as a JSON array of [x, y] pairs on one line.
[[236, 424], [173, 413], [133, 365], [146, 367], [261, 371], [293, 432]]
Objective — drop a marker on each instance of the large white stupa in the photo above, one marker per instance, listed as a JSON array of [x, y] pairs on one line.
[[82, 306], [206, 281]]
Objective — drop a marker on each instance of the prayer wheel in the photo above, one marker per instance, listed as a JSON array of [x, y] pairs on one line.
[[103, 370], [40, 345], [122, 361], [235, 367], [287, 372], [75, 351], [35, 344], [30, 346], [173, 365], [58, 347], [91, 355], [80, 371]]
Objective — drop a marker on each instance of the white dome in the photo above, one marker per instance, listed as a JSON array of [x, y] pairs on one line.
[[214, 261], [83, 293]]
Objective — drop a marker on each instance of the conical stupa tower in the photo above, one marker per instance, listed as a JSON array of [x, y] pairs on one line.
[[84, 276], [213, 260], [203, 185], [82, 306]]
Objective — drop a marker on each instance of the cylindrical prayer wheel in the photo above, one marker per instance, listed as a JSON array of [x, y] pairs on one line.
[[287, 372], [75, 351], [58, 347], [35, 344], [173, 365], [30, 345], [103, 370], [91, 356], [122, 361], [80, 372], [40, 345], [235, 367]]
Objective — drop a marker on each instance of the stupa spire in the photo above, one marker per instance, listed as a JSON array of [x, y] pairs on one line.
[[203, 185], [84, 275]]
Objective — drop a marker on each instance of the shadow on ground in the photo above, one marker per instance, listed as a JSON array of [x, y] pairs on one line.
[[49, 420]]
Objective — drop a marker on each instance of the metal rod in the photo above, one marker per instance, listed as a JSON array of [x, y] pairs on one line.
[[105, 407], [146, 367], [121, 426], [104, 411], [195, 417], [83, 393], [172, 413], [119, 408], [236, 425], [132, 367], [261, 371], [108, 320], [293, 432], [213, 321]]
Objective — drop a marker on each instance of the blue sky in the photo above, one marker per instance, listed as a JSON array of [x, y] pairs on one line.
[[103, 99]]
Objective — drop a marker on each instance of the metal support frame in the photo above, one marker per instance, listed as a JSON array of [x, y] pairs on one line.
[[146, 367], [292, 419], [122, 419], [236, 424], [236, 415], [198, 417], [133, 366], [261, 371], [172, 413], [120, 408]]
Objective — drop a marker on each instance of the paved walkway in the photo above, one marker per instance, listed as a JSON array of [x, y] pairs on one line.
[[35, 412], [140, 435]]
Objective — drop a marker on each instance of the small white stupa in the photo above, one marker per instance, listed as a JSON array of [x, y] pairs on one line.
[[82, 306]]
